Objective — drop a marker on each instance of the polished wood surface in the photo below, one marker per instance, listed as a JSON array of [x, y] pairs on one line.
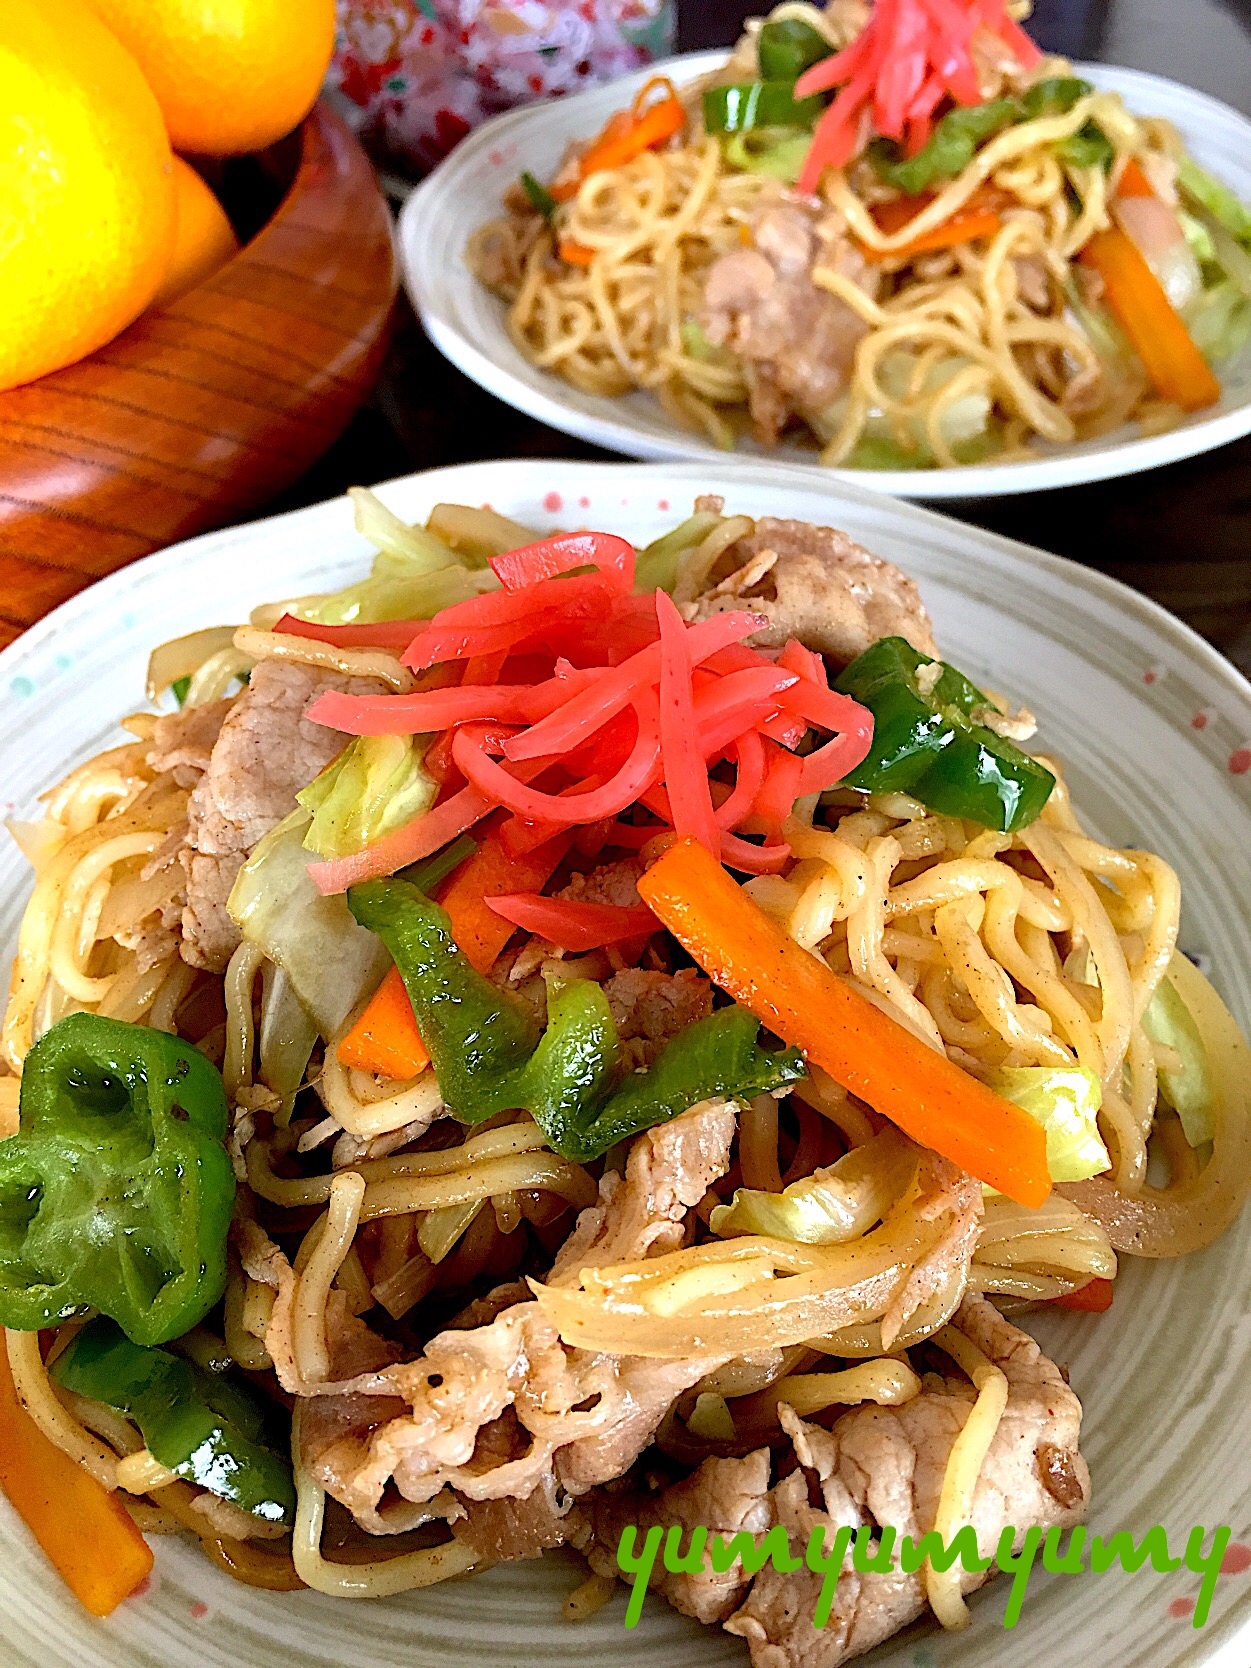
[[200, 412]]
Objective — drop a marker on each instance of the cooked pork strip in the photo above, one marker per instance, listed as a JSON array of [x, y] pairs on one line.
[[183, 741], [724, 1496], [885, 1466], [643, 1214], [797, 341], [181, 745], [609, 883], [824, 589], [573, 1418], [265, 752], [583, 1417], [874, 1466], [651, 1008]]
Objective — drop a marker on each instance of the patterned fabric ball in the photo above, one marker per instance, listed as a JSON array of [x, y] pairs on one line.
[[415, 75]]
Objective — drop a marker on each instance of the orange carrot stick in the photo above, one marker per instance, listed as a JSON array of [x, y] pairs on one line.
[[88, 1534], [1095, 1297], [491, 873], [796, 995], [1134, 183], [978, 217], [625, 135], [1156, 332], [385, 1038], [574, 254], [648, 125]]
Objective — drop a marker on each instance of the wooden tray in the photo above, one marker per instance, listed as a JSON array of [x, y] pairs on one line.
[[199, 413]]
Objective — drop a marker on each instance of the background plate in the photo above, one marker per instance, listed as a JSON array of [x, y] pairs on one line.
[[467, 322], [1155, 729]]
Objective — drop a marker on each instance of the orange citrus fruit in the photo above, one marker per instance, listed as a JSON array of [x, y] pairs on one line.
[[86, 188], [204, 239], [230, 75]]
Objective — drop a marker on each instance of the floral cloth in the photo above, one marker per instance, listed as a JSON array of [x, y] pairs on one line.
[[416, 75]]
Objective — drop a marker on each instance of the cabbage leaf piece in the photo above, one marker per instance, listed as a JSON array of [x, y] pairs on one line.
[[331, 962], [1188, 1087], [660, 564], [414, 574], [377, 783], [1201, 187], [839, 1202], [1065, 1100]]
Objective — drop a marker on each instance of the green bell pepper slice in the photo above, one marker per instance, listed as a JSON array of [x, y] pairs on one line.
[[756, 104], [927, 742], [428, 874], [489, 1055], [575, 1065], [958, 134], [777, 152], [540, 197], [717, 1055], [117, 1191], [1054, 95], [477, 1034], [1089, 147], [195, 1423], [909, 729], [786, 48], [983, 778], [949, 148]]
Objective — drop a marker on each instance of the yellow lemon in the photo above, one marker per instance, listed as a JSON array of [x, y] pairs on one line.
[[86, 187], [203, 237], [230, 75]]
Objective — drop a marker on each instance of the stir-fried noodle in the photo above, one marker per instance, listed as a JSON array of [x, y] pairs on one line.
[[1042, 948]]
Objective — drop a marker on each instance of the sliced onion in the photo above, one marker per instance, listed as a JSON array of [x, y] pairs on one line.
[[288, 1034], [180, 657], [1055, 1239], [38, 841], [1156, 233], [731, 1297], [1173, 1221]]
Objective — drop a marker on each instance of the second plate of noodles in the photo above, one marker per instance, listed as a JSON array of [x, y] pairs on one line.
[[1045, 277]]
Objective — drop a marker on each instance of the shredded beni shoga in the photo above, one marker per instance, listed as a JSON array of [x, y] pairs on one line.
[[567, 697]]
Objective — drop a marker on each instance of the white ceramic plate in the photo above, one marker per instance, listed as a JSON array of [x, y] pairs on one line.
[[1155, 729], [467, 323]]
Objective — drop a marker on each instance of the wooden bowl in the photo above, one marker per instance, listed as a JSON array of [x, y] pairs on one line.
[[202, 411]]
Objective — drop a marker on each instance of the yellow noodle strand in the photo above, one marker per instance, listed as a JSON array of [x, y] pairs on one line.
[[964, 1465]]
